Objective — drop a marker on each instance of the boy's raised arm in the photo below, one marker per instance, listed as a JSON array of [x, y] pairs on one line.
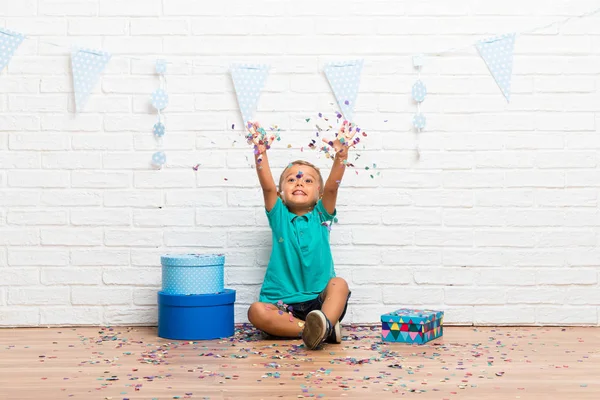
[[265, 178], [263, 170], [341, 145]]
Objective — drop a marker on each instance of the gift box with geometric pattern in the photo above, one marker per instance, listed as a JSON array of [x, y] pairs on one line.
[[412, 325]]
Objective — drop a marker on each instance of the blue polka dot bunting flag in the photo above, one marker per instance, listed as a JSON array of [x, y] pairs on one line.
[[87, 65], [419, 91], [159, 129], [497, 53], [344, 79], [160, 99], [159, 158], [419, 121], [9, 42], [248, 81]]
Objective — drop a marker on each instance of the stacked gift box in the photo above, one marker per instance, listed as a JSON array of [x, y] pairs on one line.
[[193, 303]]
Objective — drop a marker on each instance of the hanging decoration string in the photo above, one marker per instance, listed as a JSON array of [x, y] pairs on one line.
[[558, 23], [442, 52], [160, 100]]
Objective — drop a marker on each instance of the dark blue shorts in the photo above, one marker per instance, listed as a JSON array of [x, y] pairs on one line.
[[301, 310]]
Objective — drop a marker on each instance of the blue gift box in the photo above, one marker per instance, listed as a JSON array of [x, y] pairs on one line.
[[192, 273], [412, 325], [196, 317]]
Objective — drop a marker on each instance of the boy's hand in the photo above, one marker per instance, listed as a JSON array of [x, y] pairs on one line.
[[262, 142], [261, 139], [343, 140]]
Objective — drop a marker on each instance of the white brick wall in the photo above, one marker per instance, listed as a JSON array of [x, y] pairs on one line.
[[496, 223]]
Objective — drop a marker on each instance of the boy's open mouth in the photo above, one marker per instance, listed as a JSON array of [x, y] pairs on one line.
[[298, 193]]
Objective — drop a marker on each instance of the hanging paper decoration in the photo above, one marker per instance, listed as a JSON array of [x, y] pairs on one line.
[[160, 100], [158, 129], [497, 53], [160, 66], [87, 65], [248, 81], [419, 121], [159, 158], [419, 92], [9, 42], [344, 79]]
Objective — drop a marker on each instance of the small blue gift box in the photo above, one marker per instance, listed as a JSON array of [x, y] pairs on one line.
[[196, 317], [412, 326], [188, 274]]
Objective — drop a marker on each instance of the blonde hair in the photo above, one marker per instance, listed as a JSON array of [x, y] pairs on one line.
[[306, 163]]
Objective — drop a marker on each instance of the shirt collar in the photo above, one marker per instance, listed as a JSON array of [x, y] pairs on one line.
[[292, 216]]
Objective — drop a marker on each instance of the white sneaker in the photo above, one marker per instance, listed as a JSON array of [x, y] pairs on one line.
[[315, 329]]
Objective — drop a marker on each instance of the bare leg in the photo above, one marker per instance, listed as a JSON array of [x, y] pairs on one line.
[[268, 318], [335, 297]]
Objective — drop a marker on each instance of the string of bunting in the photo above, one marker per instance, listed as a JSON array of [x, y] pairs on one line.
[[88, 64], [249, 79]]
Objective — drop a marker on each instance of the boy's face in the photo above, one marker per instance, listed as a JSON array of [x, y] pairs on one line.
[[300, 187]]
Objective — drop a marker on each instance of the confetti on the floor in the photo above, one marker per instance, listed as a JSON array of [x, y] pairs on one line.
[[363, 362]]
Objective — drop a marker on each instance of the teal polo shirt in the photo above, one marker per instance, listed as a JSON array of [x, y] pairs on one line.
[[301, 264]]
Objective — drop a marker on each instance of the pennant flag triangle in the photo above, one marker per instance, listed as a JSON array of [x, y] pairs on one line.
[[344, 78], [497, 53], [248, 81], [385, 332], [413, 335], [9, 42], [87, 65], [395, 327]]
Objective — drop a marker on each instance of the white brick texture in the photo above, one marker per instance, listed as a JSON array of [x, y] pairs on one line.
[[495, 221]]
